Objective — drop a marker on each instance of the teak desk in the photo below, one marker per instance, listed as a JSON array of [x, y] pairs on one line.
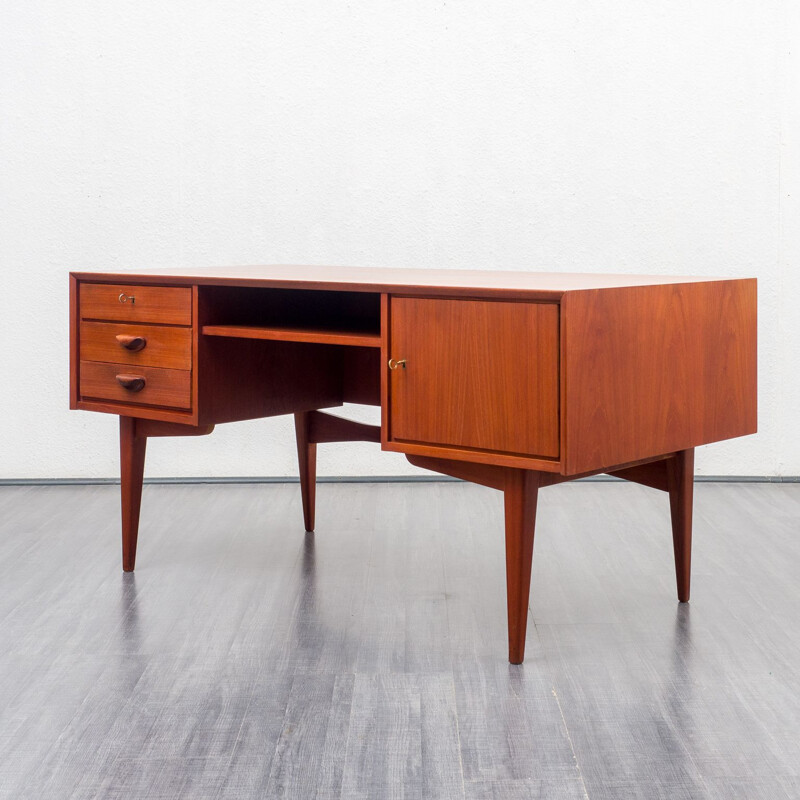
[[513, 380]]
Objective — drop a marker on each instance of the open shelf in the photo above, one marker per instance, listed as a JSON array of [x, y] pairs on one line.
[[288, 333], [288, 315]]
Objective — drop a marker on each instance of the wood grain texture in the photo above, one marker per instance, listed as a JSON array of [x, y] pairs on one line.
[[466, 454], [488, 475], [504, 713], [361, 375], [653, 370], [310, 754], [479, 375], [131, 455], [163, 304], [647, 471], [165, 346], [163, 387], [307, 462], [74, 354], [249, 379], [403, 739], [652, 474], [520, 497], [295, 334], [196, 321], [153, 428], [323, 427], [680, 483], [386, 320], [161, 413]]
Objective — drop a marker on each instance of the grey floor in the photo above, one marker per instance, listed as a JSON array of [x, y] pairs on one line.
[[245, 659]]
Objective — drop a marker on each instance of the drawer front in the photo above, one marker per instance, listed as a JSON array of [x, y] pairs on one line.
[[165, 304], [129, 343], [478, 374], [149, 386]]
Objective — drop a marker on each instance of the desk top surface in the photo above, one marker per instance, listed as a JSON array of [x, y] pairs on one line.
[[392, 279]]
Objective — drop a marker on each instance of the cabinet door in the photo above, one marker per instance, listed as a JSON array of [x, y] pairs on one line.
[[478, 375]]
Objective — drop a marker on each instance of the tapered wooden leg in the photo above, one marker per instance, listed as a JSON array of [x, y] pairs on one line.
[[307, 458], [680, 483], [520, 492], [131, 452]]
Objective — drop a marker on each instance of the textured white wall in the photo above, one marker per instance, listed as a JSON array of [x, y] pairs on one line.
[[621, 136]]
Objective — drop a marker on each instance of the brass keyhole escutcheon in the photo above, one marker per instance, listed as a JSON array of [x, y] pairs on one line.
[[395, 364]]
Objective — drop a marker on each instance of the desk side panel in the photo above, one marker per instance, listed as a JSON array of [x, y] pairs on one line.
[[650, 370], [73, 342]]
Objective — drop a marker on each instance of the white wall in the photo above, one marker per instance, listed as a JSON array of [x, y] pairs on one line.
[[620, 136]]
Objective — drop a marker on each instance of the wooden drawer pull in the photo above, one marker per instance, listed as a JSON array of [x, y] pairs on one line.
[[132, 343], [133, 383]]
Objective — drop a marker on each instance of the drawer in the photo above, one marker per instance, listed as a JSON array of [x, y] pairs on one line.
[[149, 386], [171, 305], [129, 343]]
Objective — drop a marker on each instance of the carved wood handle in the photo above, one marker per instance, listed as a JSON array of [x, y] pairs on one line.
[[133, 383], [132, 343]]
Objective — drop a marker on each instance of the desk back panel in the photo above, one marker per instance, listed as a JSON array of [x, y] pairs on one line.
[[249, 379]]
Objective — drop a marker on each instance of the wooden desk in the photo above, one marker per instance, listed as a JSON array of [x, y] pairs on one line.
[[508, 379]]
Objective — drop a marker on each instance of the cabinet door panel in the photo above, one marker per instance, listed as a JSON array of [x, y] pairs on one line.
[[478, 374]]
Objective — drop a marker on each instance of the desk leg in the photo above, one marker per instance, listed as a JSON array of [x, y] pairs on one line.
[[680, 484], [307, 458], [520, 492], [133, 435], [131, 451]]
